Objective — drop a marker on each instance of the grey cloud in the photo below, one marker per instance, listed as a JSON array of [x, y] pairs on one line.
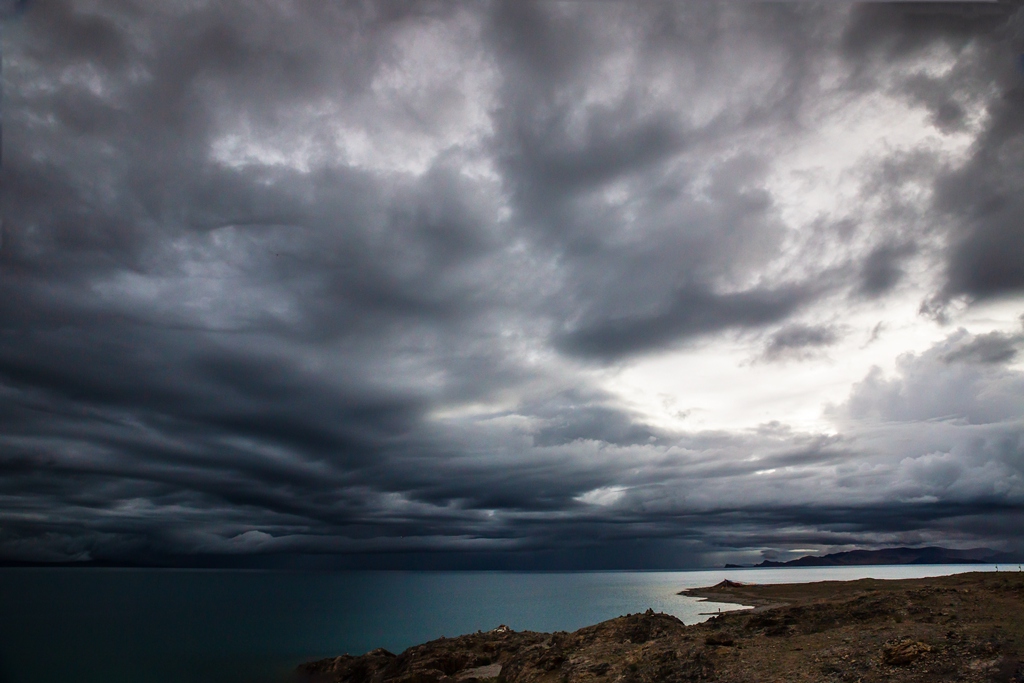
[[989, 348], [948, 114], [973, 200], [978, 197], [983, 262], [983, 259], [571, 416], [881, 270], [207, 351], [649, 285], [691, 312], [796, 340], [901, 30], [943, 383]]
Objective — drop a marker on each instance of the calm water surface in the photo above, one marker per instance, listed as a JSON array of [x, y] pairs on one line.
[[209, 626]]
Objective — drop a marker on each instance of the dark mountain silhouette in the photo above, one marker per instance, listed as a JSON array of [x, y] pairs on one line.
[[930, 555]]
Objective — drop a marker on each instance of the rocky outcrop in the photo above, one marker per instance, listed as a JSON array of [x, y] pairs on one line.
[[967, 627], [473, 658], [638, 647]]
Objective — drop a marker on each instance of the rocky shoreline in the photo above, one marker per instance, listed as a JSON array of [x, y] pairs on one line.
[[965, 627]]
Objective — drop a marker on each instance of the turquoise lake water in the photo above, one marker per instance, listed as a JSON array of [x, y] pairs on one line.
[[211, 626]]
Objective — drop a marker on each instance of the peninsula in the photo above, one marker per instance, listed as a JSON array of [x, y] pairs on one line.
[[965, 627]]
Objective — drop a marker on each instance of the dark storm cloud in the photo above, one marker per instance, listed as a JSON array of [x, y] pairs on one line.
[[881, 270], [891, 30], [290, 281], [975, 199], [984, 260], [691, 312], [571, 415], [979, 198], [706, 214]]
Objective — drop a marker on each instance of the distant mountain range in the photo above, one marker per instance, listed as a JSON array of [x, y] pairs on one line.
[[930, 555]]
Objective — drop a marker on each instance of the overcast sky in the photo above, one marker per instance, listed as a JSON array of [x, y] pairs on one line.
[[551, 284]]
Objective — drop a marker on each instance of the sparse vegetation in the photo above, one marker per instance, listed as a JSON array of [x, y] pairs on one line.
[[966, 627]]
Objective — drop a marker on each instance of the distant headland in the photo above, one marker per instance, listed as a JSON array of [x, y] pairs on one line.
[[928, 555]]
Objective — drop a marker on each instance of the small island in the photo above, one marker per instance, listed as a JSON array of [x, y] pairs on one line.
[[965, 627]]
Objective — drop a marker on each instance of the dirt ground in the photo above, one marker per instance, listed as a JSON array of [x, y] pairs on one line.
[[966, 627]]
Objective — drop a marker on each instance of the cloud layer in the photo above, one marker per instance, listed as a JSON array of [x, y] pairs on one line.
[[368, 281]]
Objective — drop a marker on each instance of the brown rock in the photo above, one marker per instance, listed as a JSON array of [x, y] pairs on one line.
[[903, 653], [719, 639]]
